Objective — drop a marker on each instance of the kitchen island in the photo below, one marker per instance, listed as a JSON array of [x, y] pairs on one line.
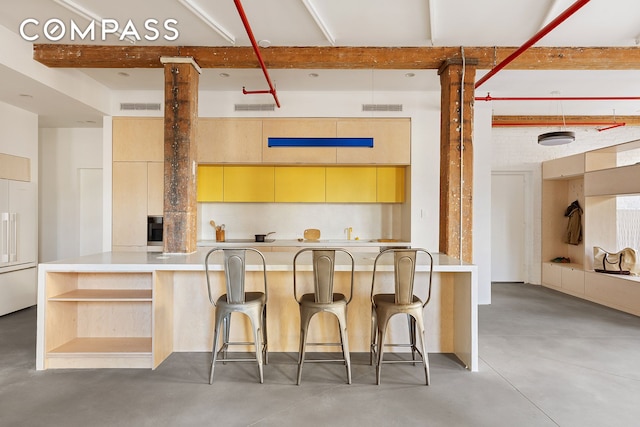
[[133, 309]]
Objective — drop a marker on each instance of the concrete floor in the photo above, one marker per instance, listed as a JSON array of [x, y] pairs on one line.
[[546, 359]]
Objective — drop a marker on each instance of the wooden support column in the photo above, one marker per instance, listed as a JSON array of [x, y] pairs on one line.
[[181, 77], [456, 158]]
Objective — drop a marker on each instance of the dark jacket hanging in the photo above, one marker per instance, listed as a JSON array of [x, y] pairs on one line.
[[574, 225]]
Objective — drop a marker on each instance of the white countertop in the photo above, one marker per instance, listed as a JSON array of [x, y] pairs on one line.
[[276, 261], [344, 243]]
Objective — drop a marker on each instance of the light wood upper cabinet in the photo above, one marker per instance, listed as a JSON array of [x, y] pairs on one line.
[[351, 185], [210, 183], [391, 141], [138, 139], [324, 128], [129, 204], [248, 184], [565, 167], [300, 184], [155, 188], [229, 140]]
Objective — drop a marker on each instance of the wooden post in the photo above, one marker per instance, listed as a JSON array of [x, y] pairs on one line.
[[456, 158], [181, 77]]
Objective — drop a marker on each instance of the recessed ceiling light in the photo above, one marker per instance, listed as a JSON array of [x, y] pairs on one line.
[[225, 75], [314, 75], [123, 74], [264, 43], [410, 75], [26, 95]]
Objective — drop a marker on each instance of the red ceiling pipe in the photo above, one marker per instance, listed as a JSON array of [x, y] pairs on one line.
[[556, 98], [616, 125], [540, 34], [247, 27]]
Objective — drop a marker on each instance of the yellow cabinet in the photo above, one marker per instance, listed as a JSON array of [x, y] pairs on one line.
[[391, 141], [210, 183], [390, 184], [248, 184], [299, 184], [351, 184]]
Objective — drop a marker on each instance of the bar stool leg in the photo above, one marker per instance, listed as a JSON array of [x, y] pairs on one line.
[[265, 351], [425, 355], [344, 339], [305, 318], [214, 355]]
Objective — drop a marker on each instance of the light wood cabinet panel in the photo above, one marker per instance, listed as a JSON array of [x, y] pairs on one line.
[[155, 188], [15, 167], [615, 181], [564, 167], [298, 128], [129, 204], [248, 184], [229, 140], [551, 275], [390, 186], [573, 281], [391, 141], [138, 139], [351, 185], [210, 183], [299, 184]]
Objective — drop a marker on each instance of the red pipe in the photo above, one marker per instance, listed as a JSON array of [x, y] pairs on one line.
[[247, 27], [555, 98], [617, 125], [540, 34]]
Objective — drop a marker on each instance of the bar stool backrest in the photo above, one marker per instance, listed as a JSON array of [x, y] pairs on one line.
[[234, 270], [404, 273], [324, 263], [404, 269]]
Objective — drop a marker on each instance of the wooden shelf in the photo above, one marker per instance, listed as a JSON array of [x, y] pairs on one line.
[[103, 295], [120, 346]]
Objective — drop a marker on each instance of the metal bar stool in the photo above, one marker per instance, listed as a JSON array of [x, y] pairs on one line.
[[323, 300], [402, 301], [251, 304]]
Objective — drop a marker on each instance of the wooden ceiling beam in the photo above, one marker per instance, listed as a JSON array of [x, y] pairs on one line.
[[400, 58], [546, 121]]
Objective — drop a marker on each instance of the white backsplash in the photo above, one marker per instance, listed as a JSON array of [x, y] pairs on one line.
[[289, 220]]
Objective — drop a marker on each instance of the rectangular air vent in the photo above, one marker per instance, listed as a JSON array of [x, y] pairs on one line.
[[255, 107], [136, 106], [381, 107]]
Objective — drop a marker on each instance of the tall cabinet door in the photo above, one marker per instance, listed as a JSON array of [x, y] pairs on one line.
[[23, 222]]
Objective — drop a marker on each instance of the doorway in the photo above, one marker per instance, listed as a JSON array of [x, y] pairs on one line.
[[508, 226]]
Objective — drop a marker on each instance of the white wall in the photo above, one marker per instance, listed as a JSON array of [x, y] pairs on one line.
[[65, 153], [516, 149]]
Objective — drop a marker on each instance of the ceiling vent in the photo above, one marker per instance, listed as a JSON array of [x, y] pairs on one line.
[[255, 107], [137, 106], [381, 107]]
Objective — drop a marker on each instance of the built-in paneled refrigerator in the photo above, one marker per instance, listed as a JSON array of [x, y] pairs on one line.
[[18, 245]]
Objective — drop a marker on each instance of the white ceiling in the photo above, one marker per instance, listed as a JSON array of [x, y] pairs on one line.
[[357, 23]]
